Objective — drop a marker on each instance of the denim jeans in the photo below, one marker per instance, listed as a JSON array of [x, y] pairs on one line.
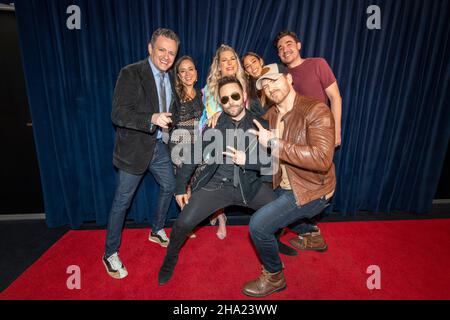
[[276, 215], [205, 202], [162, 170], [303, 227]]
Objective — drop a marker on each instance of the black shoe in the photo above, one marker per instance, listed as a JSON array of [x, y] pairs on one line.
[[166, 271], [283, 248], [286, 250]]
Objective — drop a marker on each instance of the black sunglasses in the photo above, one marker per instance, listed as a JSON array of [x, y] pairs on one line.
[[235, 96]]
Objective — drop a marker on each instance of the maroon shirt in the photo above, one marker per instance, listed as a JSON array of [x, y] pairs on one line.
[[312, 77]]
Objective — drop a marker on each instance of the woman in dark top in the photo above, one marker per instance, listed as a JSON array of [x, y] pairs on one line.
[[253, 66], [189, 107]]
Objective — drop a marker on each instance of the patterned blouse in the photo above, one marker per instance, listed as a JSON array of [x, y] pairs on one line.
[[211, 107], [186, 116]]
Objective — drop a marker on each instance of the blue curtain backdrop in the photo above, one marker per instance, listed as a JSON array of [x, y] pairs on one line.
[[394, 83]]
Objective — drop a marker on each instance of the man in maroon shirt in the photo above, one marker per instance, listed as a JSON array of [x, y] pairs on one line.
[[312, 77]]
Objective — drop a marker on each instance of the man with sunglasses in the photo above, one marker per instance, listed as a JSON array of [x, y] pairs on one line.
[[303, 143], [229, 178]]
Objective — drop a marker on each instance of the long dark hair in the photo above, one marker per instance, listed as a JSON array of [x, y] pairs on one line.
[[254, 93], [179, 87]]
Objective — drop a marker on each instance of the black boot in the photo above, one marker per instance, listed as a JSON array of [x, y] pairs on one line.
[[283, 248], [166, 271], [177, 238]]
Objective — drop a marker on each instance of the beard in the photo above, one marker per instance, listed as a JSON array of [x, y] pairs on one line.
[[234, 111], [278, 96]]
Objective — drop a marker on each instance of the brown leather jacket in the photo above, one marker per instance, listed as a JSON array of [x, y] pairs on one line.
[[307, 148]]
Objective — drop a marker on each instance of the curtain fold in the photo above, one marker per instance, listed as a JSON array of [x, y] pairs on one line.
[[394, 84]]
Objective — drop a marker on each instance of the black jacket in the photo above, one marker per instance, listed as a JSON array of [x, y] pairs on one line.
[[135, 101], [249, 176]]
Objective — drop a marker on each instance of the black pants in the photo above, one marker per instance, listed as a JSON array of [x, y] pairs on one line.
[[204, 202]]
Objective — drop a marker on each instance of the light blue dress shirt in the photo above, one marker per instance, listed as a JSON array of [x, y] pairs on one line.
[[168, 87]]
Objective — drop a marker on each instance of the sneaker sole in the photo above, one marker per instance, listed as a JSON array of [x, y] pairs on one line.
[[115, 275], [264, 295], [164, 245]]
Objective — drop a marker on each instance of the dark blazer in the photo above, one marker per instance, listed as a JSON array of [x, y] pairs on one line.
[[135, 101]]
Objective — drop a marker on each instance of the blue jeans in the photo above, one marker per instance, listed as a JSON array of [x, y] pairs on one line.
[[303, 227], [162, 170], [274, 216]]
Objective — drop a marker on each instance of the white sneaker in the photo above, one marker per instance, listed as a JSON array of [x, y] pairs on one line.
[[159, 237], [115, 267]]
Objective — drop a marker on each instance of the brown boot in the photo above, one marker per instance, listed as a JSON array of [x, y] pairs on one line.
[[310, 241], [266, 284]]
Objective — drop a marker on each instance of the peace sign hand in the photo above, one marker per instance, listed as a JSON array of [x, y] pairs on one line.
[[263, 134], [237, 156]]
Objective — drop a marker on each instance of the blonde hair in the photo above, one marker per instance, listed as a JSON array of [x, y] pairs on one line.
[[215, 75]]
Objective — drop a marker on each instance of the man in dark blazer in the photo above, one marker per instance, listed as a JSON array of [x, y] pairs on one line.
[[142, 100]]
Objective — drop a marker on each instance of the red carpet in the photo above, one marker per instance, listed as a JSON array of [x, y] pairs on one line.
[[413, 257]]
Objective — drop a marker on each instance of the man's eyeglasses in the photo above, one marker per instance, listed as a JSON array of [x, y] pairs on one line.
[[235, 96]]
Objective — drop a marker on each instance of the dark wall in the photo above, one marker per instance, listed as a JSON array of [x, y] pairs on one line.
[[443, 190], [19, 174]]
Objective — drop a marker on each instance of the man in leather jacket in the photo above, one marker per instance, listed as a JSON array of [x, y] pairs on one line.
[[302, 141]]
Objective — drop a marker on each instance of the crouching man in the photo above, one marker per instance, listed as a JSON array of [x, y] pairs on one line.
[[303, 143]]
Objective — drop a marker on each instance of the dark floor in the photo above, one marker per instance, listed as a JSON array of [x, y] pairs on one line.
[[23, 242]]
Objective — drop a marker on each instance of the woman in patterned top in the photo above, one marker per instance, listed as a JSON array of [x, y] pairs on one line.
[[188, 109]]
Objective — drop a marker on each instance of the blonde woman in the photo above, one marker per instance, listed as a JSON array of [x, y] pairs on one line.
[[225, 63]]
